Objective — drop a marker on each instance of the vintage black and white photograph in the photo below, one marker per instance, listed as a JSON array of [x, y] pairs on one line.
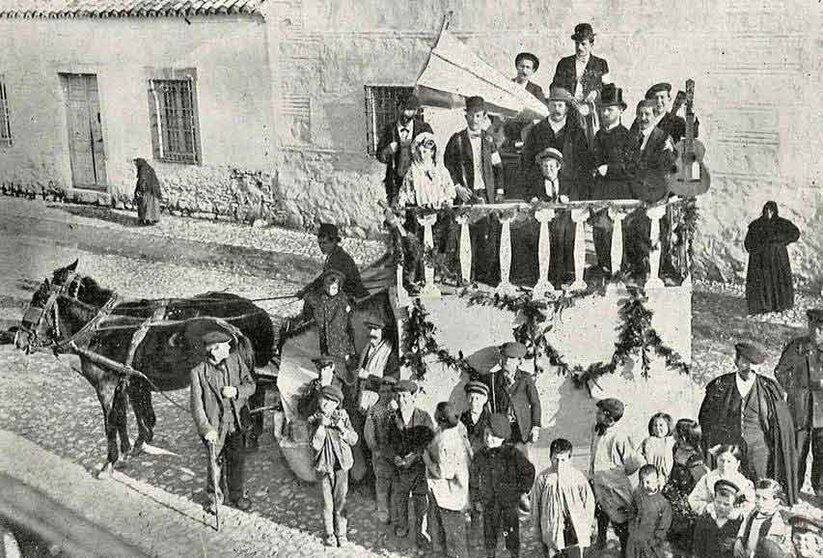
[[411, 278]]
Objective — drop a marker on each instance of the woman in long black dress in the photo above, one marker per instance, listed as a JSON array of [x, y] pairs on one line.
[[147, 193], [769, 285]]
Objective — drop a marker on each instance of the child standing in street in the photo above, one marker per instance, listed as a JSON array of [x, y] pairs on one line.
[[375, 432], [658, 448], [331, 310], [332, 440], [648, 529], [562, 505], [500, 474]]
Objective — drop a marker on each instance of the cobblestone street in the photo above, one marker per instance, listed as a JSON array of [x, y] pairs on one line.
[[47, 403]]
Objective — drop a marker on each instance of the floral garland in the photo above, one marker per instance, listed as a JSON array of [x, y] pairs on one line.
[[419, 342]]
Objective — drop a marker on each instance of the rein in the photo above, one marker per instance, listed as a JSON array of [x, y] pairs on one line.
[[82, 334]]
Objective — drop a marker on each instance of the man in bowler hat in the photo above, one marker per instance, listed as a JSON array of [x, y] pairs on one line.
[[220, 387], [800, 373], [394, 146], [746, 405], [582, 74]]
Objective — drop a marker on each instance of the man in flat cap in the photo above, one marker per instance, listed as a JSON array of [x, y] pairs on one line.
[[409, 433], [807, 536], [394, 146], [378, 357], [746, 405], [614, 459], [328, 239], [220, 387], [800, 373], [667, 121], [473, 161], [513, 394], [527, 64]]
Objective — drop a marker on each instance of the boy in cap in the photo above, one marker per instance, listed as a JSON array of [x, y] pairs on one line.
[[328, 239], [375, 433], [800, 374], [562, 505], [476, 417], [332, 441], [613, 155], [331, 311], [614, 459], [716, 529], [220, 387], [514, 395], [500, 476], [310, 398], [409, 432], [394, 147], [745, 404], [807, 536]]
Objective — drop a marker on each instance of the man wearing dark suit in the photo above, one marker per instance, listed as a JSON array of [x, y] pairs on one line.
[[527, 64], [582, 74], [328, 238], [473, 162], [394, 147], [673, 125], [614, 156], [655, 157]]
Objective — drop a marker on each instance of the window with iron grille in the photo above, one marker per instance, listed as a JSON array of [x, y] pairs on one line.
[[5, 125], [174, 120], [381, 110]]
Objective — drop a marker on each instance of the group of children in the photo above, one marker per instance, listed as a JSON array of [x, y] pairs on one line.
[[678, 508]]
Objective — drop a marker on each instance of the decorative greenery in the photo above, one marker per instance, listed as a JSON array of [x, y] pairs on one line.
[[419, 342]]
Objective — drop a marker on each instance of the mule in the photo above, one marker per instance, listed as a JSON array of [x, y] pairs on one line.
[[159, 338]]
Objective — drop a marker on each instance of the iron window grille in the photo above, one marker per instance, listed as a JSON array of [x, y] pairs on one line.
[[381, 110], [175, 118], [5, 124]]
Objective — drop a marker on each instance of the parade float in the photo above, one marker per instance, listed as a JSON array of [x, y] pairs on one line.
[[593, 337]]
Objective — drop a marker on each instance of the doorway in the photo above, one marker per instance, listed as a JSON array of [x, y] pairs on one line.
[[86, 149]]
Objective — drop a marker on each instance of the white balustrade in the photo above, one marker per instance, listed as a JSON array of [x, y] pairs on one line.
[[543, 287], [579, 216], [617, 217], [505, 256], [465, 249], [655, 214], [429, 288], [402, 294]]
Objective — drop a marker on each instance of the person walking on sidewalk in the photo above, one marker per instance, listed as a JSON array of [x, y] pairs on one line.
[[147, 193], [220, 387]]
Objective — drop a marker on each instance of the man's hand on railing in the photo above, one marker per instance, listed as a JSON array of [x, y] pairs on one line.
[[463, 193]]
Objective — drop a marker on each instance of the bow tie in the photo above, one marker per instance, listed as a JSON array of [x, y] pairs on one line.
[[475, 134]]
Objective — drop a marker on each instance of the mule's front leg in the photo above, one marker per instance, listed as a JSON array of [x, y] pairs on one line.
[[107, 393], [140, 396]]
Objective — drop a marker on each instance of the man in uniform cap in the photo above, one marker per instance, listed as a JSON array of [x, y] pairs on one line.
[[394, 147], [220, 387], [473, 161], [476, 416], [807, 536], [746, 405], [514, 395], [614, 458], [328, 239], [527, 64], [800, 374], [409, 432]]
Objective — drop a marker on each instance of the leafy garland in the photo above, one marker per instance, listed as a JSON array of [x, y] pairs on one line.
[[534, 319]]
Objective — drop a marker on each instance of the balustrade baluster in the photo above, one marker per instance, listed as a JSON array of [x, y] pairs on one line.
[[617, 216], [579, 216], [655, 214], [465, 249], [505, 256], [544, 287], [429, 288]]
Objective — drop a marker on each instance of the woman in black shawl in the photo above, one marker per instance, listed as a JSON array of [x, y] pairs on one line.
[[147, 194], [769, 285]]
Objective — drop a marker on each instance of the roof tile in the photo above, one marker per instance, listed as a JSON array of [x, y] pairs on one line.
[[124, 8]]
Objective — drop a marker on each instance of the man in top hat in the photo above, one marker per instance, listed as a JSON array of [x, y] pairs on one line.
[[672, 124], [613, 159], [409, 432], [220, 387], [527, 64], [563, 133], [583, 74], [394, 146], [800, 373], [514, 395], [474, 163], [807, 536], [328, 239], [745, 405]]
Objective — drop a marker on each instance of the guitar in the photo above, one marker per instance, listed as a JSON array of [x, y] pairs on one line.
[[690, 176]]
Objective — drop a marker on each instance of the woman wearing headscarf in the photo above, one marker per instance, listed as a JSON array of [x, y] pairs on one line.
[[428, 185], [769, 285], [147, 193]]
